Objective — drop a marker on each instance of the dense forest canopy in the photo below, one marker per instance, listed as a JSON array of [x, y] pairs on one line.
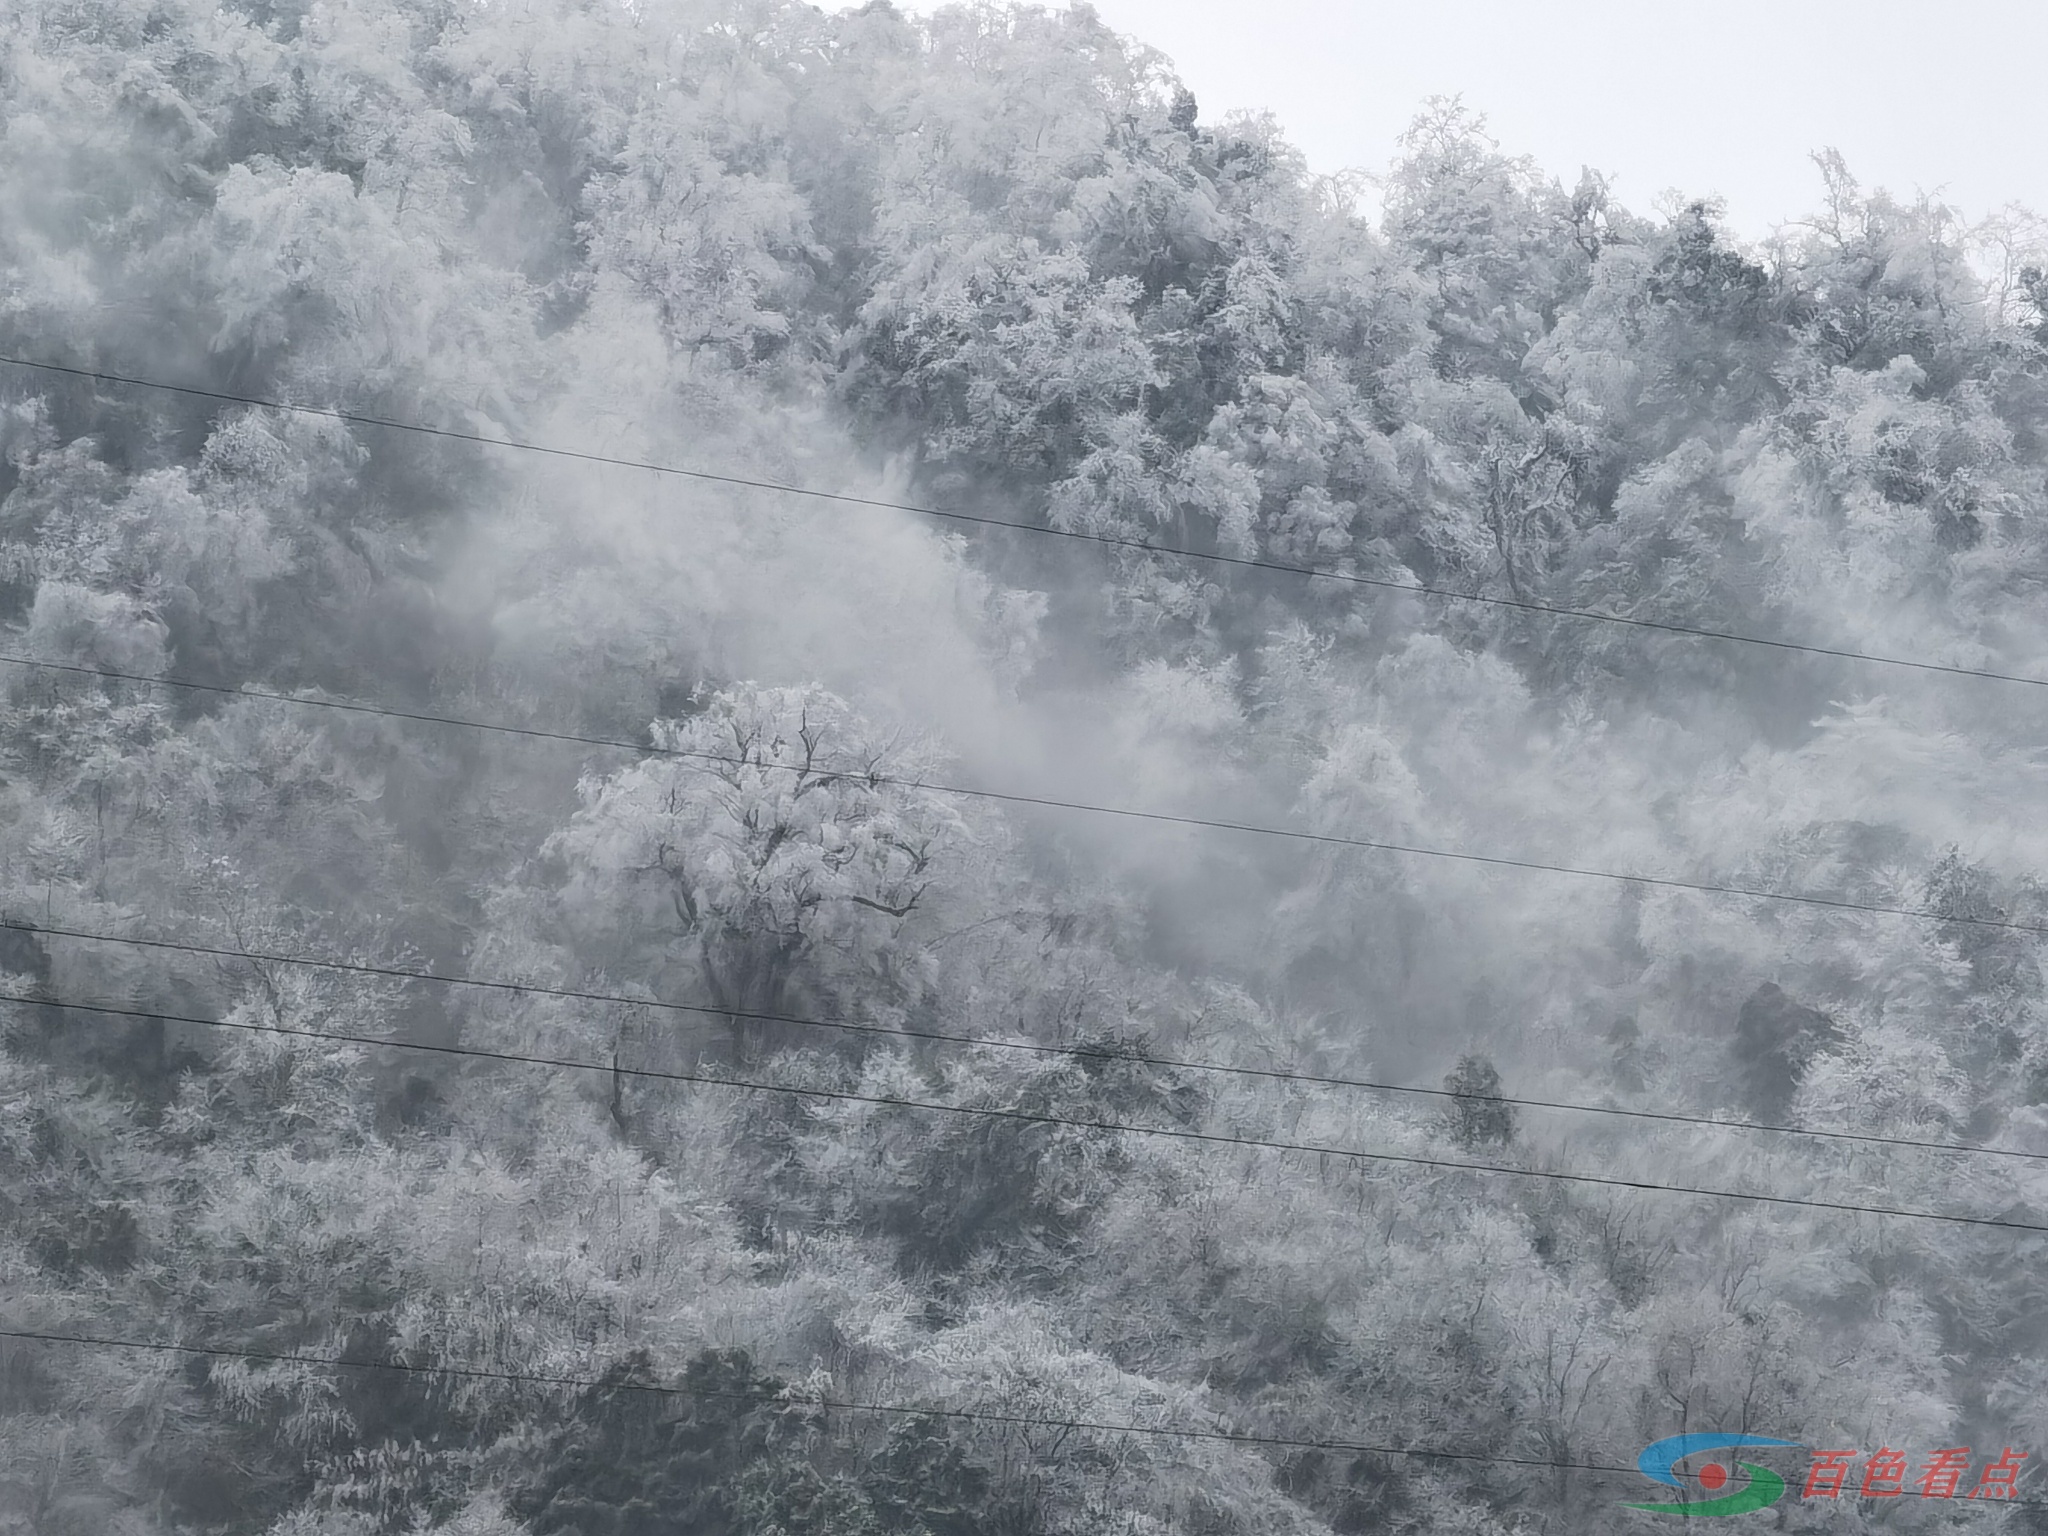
[[992, 260]]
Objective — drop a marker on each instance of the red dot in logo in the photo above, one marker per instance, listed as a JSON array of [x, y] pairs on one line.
[[1713, 1475]]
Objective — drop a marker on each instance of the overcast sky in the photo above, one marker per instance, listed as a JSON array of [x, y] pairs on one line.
[[1720, 98]]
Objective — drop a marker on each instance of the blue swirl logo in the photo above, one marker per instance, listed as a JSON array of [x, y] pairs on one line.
[[1659, 1463]]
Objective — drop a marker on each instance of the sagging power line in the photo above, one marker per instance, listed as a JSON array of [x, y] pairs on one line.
[[839, 1405], [1047, 802], [1113, 541], [1025, 1117], [1026, 1047]]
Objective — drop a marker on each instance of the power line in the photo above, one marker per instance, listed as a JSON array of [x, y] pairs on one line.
[[1025, 1117], [1136, 545], [981, 520], [658, 1389], [1076, 1052], [1045, 802]]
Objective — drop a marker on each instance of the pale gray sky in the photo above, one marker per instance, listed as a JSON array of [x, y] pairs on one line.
[[1722, 97]]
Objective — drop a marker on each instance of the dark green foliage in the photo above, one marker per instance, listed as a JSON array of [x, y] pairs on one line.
[[1625, 1042], [971, 1182], [1273, 1339], [717, 1456], [105, 1236], [141, 1057], [975, 1183], [1775, 1040], [1356, 1494], [1477, 1118], [1723, 331], [22, 954], [2034, 284], [416, 1104], [923, 1481], [792, 1498], [1700, 276], [2001, 957], [1126, 1087], [60, 1189], [638, 1462], [394, 1406]]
